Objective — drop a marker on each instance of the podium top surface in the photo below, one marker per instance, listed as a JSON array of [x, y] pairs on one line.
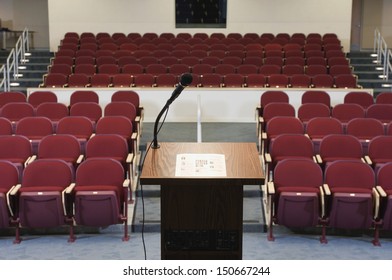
[[241, 159]]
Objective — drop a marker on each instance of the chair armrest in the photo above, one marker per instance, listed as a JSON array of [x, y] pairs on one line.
[[80, 159], [264, 136], [12, 193], [271, 188], [381, 191], [66, 191], [126, 183], [130, 158], [327, 191], [322, 200], [319, 160], [376, 199], [31, 159], [368, 160], [267, 158]]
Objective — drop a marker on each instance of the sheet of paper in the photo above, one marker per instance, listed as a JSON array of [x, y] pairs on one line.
[[200, 165]]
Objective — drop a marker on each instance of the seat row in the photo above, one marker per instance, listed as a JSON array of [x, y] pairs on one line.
[[206, 80], [51, 196], [347, 194], [183, 37]]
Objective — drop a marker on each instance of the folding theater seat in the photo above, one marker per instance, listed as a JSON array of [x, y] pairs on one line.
[[345, 112], [384, 188], [296, 195], [54, 111], [34, 128], [276, 126], [132, 97], [335, 147], [91, 110], [16, 149], [382, 112], [38, 97], [60, 146], [9, 178], [83, 96], [379, 151], [100, 195], [79, 126], [285, 146], [41, 198], [316, 96], [6, 127], [351, 196], [361, 98], [274, 109], [308, 111], [319, 127], [365, 129]]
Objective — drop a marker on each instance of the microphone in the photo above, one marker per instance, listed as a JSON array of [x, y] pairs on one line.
[[185, 80]]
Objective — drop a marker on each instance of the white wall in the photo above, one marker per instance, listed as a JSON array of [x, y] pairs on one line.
[[159, 16]]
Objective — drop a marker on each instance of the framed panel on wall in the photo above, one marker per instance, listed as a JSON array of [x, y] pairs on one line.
[[201, 13]]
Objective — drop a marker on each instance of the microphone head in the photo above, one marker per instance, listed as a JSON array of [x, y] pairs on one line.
[[186, 79]]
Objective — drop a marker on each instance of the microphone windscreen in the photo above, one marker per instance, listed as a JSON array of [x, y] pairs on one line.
[[186, 79]]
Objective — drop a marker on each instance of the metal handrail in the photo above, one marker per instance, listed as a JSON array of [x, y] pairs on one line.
[[384, 55], [16, 56]]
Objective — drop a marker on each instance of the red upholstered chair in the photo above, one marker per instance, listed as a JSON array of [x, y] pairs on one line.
[[6, 127], [256, 80], [384, 184], [16, 149], [15, 111], [34, 128], [61, 146], [287, 145], [384, 98], [11, 96], [365, 129], [308, 111], [53, 111], [78, 80], [81, 127], [381, 112], [42, 202], [37, 97], [300, 81], [350, 188], [101, 195], [347, 111], [9, 178], [316, 96], [319, 127], [91, 110], [83, 96], [54, 80], [322, 81], [362, 98], [297, 198], [340, 147]]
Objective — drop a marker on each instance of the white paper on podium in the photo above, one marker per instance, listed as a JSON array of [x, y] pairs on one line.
[[200, 165]]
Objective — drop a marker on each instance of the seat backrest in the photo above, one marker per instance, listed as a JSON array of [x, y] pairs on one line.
[[91, 110], [384, 176], [347, 111], [322, 126], [270, 96], [121, 108], [382, 112], [364, 99], [291, 145], [6, 127], [9, 175], [11, 96], [349, 174], [34, 127], [107, 145], [365, 128], [284, 124], [298, 173], [38, 97], [83, 96], [15, 111], [308, 111], [76, 125], [52, 110], [114, 125], [15, 146], [100, 171], [60, 146], [384, 98], [47, 173], [316, 96], [380, 147], [340, 146], [274, 109]]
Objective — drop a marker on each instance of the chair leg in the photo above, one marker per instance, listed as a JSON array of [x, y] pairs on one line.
[[323, 238], [270, 233], [126, 235], [17, 240], [376, 240], [72, 237]]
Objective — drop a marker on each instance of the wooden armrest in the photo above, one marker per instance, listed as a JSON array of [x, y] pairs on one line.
[[80, 159], [31, 159], [376, 198], [368, 160], [322, 199], [134, 136], [270, 188], [267, 157], [381, 191], [319, 159], [264, 136], [12, 192], [70, 188], [126, 183], [130, 158], [327, 191]]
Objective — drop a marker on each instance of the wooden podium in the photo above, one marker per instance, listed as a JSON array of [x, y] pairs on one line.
[[202, 216]]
